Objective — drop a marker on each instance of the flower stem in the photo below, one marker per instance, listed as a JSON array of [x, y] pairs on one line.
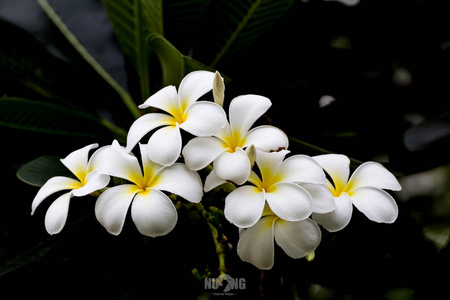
[[220, 249]]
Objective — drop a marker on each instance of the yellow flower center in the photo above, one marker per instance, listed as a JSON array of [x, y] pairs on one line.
[[234, 141], [339, 187]]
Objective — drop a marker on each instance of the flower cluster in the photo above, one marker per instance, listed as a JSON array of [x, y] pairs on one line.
[[280, 200]]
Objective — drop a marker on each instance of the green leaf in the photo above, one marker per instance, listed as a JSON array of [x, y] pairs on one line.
[[174, 64], [243, 22], [50, 118], [41, 169], [59, 23], [133, 21]]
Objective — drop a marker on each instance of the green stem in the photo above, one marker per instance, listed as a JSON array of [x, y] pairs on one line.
[[220, 250]]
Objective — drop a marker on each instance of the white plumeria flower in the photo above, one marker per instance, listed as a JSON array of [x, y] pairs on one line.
[[152, 211], [226, 147], [297, 239], [89, 181], [363, 189], [200, 118], [278, 186]]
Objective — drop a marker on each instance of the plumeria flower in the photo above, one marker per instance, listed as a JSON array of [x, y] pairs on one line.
[[363, 189], [226, 147], [278, 186], [89, 181], [152, 211], [200, 118], [297, 239]]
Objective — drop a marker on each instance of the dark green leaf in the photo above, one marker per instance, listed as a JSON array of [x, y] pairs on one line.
[[50, 118], [243, 22], [174, 64], [38, 171], [132, 21]]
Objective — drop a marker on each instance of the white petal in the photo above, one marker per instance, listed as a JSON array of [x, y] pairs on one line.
[[289, 201], [204, 118], [56, 215], [94, 181], [245, 110], [244, 206], [267, 138], [112, 206], [193, 86], [150, 168], [77, 161], [180, 180], [201, 151], [374, 175], [337, 166], [301, 168], [164, 146], [144, 125], [123, 165], [256, 244], [153, 213], [376, 204], [224, 133], [98, 158], [53, 185], [212, 181], [323, 200], [165, 99], [268, 164], [338, 218], [297, 239], [234, 166]]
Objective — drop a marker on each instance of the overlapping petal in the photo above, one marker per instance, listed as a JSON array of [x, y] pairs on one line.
[[245, 110], [376, 204], [299, 238], [212, 181], [244, 206], [323, 200], [94, 181], [339, 218], [165, 99], [144, 125], [289, 201], [180, 180], [337, 166], [112, 206], [56, 215], [266, 138], [234, 166], [123, 165], [256, 244], [201, 151], [373, 174], [53, 185], [153, 213], [268, 164], [97, 159], [164, 146], [193, 86], [203, 118], [301, 168], [77, 161]]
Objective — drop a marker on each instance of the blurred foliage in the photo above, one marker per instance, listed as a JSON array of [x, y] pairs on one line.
[[73, 73]]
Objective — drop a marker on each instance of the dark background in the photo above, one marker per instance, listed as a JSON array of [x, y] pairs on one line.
[[386, 64]]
